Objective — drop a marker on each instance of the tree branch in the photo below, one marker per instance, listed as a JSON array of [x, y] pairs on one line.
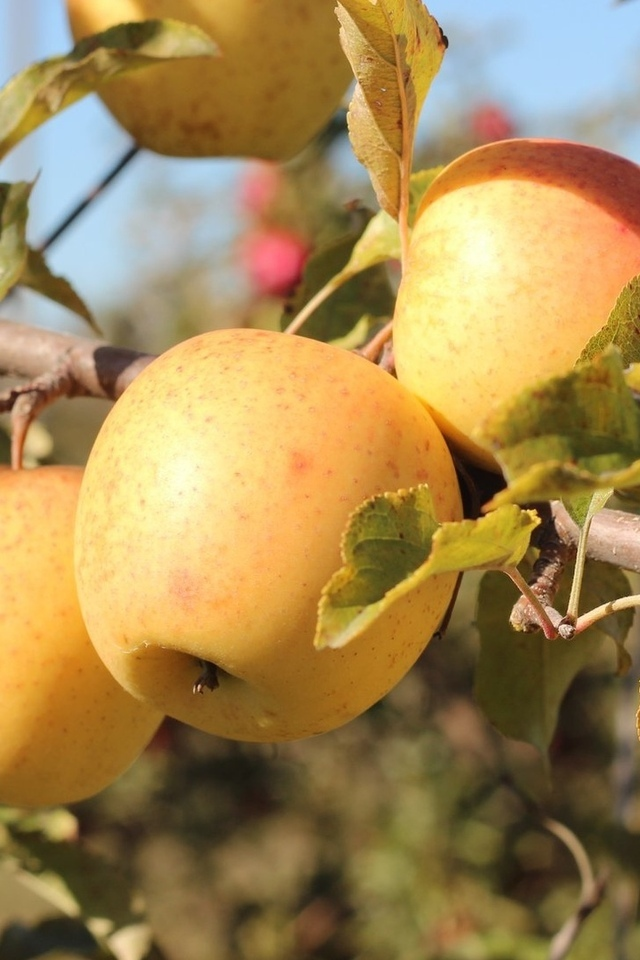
[[93, 368], [57, 365], [54, 365]]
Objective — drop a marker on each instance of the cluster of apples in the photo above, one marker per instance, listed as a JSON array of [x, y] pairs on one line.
[[207, 520], [179, 572]]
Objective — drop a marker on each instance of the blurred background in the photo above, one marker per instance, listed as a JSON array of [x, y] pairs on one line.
[[410, 833]]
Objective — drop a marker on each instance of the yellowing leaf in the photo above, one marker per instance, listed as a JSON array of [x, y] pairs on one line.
[[495, 541], [394, 542], [622, 328], [14, 210], [567, 436], [45, 88], [395, 48]]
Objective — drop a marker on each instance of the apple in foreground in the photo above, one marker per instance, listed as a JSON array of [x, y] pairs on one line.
[[67, 729], [280, 77], [210, 518], [518, 254]]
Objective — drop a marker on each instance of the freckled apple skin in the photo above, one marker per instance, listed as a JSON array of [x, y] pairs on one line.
[[519, 252], [281, 76], [210, 518], [67, 729]]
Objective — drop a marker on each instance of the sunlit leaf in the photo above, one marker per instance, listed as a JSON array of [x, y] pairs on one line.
[[394, 542], [380, 240], [522, 678], [568, 436], [14, 210], [622, 328], [498, 540], [45, 88], [395, 48]]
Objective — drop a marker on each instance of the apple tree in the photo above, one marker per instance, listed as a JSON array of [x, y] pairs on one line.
[[274, 528]]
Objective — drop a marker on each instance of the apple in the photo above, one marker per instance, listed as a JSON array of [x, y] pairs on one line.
[[210, 517], [274, 259], [67, 729], [281, 76], [519, 251]]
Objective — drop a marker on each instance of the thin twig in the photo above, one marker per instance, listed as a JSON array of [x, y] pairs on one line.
[[73, 215], [605, 610], [591, 892]]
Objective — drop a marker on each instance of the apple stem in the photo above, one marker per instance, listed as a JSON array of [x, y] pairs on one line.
[[208, 679]]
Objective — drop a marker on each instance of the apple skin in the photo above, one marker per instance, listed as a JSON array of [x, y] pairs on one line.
[[210, 518], [518, 254], [281, 76], [67, 729]]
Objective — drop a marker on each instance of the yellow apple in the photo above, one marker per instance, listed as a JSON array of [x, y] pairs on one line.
[[210, 518], [519, 251], [67, 729], [281, 76]]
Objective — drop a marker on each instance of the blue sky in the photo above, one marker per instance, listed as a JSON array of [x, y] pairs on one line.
[[543, 60]]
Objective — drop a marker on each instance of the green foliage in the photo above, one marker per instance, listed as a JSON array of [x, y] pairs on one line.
[[393, 543], [567, 436], [622, 329], [522, 678], [44, 89], [338, 305], [20, 263]]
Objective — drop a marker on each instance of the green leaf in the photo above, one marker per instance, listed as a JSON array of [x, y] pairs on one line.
[[522, 678], [14, 210], [370, 295], [380, 240], [394, 542], [395, 48], [341, 305], [567, 436], [388, 538], [45, 88], [602, 583], [37, 276], [622, 328], [583, 508]]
